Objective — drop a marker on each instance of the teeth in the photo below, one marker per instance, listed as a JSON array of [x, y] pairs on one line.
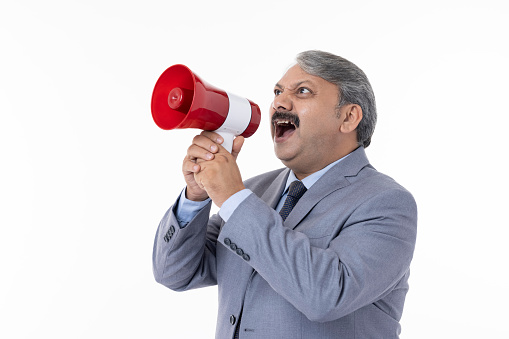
[[281, 122]]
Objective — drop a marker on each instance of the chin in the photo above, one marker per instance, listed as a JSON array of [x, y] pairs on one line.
[[284, 157]]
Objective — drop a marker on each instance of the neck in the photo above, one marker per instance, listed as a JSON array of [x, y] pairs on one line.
[[307, 169]]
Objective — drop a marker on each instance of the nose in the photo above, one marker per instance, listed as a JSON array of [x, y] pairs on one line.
[[282, 102]]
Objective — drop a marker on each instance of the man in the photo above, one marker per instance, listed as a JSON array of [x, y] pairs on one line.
[[334, 263]]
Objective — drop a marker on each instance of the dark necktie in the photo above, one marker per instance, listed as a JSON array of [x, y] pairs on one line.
[[295, 192]]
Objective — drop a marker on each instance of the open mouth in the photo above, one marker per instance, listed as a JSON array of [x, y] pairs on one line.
[[283, 128], [284, 125]]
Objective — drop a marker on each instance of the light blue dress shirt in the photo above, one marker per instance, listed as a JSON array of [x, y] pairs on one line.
[[188, 209]]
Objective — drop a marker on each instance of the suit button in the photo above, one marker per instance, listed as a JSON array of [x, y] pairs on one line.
[[232, 319], [227, 241], [172, 229], [240, 251], [246, 257], [233, 246]]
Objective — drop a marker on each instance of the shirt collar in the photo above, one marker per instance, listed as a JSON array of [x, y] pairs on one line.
[[312, 178]]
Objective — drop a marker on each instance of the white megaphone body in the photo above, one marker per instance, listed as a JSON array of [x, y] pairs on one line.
[[182, 100]]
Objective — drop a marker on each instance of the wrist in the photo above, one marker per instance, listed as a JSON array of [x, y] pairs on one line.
[[195, 197], [220, 199]]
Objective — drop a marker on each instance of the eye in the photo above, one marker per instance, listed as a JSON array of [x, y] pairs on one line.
[[277, 92], [303, 90]]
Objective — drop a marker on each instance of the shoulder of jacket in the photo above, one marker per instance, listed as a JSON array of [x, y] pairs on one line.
[[263, 179]]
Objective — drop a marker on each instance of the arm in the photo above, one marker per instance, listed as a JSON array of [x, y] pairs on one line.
[[366, 259], [184, 258]]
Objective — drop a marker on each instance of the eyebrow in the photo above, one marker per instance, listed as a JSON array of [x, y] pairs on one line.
[[296, 85]]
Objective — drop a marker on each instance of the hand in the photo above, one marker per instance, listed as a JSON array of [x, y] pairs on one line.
[[204, 148], [220, 176]]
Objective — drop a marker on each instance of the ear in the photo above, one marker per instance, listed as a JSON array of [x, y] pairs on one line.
[[352, 116]]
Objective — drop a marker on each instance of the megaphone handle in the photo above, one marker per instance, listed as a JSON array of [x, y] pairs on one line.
[[228, 139]]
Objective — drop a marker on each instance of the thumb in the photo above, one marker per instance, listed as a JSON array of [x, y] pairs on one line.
[[237, 145]]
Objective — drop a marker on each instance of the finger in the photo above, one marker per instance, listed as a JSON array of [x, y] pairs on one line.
[[215, 137], [237, 146], [205, 143], [195, 153], [190, 166]]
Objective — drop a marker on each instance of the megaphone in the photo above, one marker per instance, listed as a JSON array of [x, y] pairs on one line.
[[182, 100]]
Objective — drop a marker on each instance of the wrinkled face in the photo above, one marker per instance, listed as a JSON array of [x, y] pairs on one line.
[[304, 122]]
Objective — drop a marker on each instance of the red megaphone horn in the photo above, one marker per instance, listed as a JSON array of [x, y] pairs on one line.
[[182, 100]]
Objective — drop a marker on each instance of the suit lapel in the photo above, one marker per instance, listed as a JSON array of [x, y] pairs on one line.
[[333, 180], [273, 193]]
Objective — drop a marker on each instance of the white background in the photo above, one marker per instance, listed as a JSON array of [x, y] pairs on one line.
[[86, 175]]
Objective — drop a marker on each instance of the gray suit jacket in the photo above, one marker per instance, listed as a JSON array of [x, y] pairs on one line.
[[338, 267]]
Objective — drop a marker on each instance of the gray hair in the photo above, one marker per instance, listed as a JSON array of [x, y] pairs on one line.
[[353, 84]]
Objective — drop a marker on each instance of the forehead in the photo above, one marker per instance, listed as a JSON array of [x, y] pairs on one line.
[[296, 76]]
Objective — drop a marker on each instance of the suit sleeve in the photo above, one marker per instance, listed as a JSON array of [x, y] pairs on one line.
[[184, 258], [365, 260]]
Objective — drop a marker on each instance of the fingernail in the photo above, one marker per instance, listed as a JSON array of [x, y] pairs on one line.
[[195, 167], [213, 148], [219, 140], [208, 156]]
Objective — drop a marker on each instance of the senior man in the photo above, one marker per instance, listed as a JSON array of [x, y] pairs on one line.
[[318, 249]]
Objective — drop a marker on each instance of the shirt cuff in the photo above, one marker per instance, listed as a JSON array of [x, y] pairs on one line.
[[188, 209], [231, 204]]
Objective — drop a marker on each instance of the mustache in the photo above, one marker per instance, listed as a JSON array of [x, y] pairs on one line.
[[293, 118]]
